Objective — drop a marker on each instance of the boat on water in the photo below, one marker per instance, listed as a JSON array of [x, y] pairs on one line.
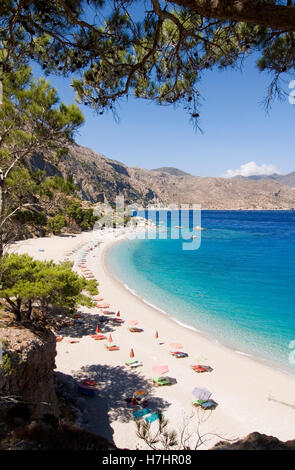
[[178, 226], [199, 228]]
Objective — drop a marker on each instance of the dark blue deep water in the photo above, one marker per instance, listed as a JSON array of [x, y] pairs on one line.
[[238, 287]]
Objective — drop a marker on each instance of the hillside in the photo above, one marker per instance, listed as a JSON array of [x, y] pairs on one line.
[[101, 179], [171, 171], [288, 180]]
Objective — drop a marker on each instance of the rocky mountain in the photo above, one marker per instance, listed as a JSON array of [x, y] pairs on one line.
[[100, 179], [288, 180], [171, 171]]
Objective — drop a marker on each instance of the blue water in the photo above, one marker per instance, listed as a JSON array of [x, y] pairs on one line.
[[238, 287]]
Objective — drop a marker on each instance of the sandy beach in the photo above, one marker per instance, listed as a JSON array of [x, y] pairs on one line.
[[251, 396]]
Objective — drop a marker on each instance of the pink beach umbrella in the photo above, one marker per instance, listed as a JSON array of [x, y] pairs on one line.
[[110, 340], [131, 352], [176, 345], [160, 369]]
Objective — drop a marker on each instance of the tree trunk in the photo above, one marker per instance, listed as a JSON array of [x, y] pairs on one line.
[[29, 312], [276, 17], [2, 209], [15, 308]]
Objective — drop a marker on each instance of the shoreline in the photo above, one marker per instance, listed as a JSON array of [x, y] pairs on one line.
[[251, 396], [280, 367]]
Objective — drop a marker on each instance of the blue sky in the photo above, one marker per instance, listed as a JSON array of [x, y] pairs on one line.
[[236, 127]]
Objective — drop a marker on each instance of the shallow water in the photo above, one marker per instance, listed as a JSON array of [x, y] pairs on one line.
[[239, 286]]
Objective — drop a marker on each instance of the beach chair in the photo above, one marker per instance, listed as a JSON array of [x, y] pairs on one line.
[[160, 381], [112, 347], [141, 413], [98, 337], [132, 361], [117, 320], [153, 417], [136, 364], [178, 354], [85, 389], [199, 369], [135, 330], [209, 405], [198, 403]]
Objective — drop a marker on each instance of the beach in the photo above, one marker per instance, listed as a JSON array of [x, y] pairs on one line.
[[251, 396]]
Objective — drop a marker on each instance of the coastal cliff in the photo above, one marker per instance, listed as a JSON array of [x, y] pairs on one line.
[[26, 370]]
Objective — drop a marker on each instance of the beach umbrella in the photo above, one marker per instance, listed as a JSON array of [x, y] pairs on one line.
[[110, 340], [118, 313], [160, 369], [131, 352], [133, 322], [157, 335], [97, 329], [201, 393], [176, 345]]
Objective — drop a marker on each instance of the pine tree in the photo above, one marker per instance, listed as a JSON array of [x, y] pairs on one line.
[[31, 120], [159, 53]]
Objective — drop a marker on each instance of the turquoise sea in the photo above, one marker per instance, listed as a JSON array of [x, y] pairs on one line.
[[238, 287]]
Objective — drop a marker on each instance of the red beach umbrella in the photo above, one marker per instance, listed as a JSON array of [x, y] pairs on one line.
[[118, 313], [110, 340], [157, 335], [97, 329], [131, 352]]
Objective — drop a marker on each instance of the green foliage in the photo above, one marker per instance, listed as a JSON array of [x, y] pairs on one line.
[[31, 120], [56, 223], [25, 281], [91, 287], [160, 53], [5, 365], [83, 217]]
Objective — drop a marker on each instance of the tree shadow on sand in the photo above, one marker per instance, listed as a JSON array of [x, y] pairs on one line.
[[114, 384], [87, 326]]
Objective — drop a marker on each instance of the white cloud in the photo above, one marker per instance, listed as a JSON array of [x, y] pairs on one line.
[[252, 169]]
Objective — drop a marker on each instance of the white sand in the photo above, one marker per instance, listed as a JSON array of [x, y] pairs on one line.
[[252, 396]]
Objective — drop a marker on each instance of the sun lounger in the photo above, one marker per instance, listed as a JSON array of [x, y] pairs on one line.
[[86, 389], [98, 337], [141, 413], [117, 320], [197, 403], [112, 347], [209, 405], [135, 330], [153, 417], [199, 369], [178, 354], [160, 381], [136, 364], [132, 361], [205, 404]]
